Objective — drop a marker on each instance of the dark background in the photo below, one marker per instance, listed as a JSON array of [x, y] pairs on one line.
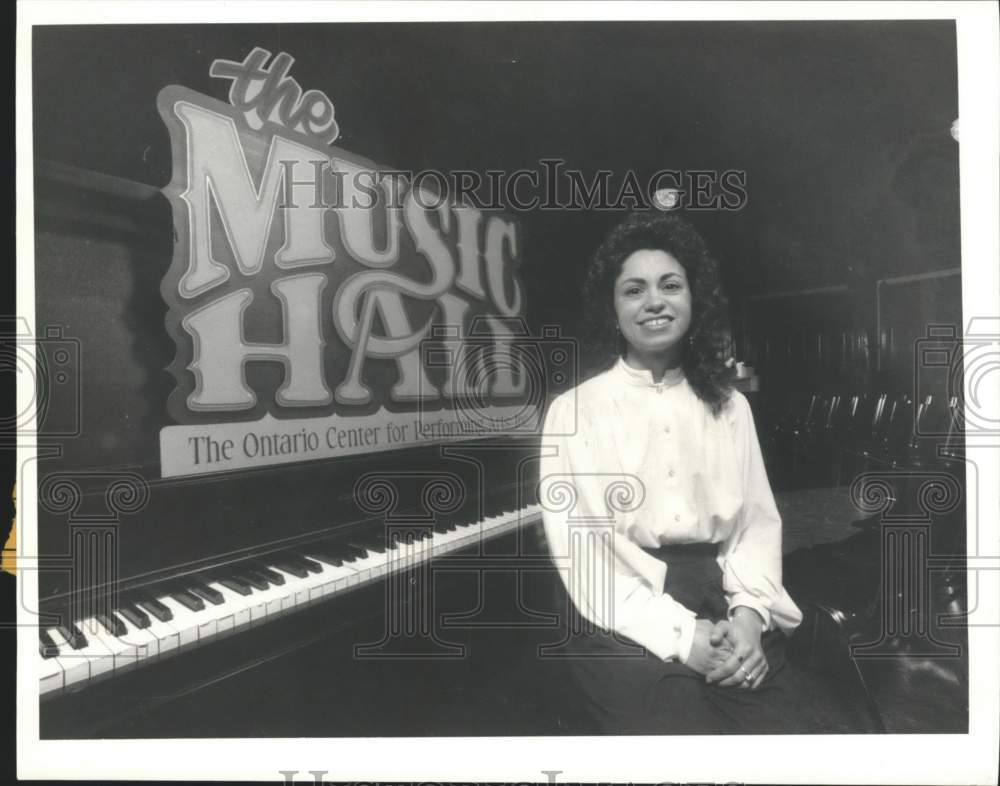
[[841, 127], [821, 116]]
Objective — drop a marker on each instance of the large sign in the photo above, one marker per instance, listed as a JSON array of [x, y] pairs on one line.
[[321, 305]]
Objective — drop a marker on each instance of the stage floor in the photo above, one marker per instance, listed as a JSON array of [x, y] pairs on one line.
[[813, 516]]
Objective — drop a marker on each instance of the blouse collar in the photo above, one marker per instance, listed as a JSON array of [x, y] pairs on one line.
[[644, 377]]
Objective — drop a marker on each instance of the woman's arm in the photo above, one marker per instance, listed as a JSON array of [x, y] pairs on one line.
[[592, 559], [752, 553]]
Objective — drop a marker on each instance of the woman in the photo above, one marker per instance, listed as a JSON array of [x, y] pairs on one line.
[[658, 510]]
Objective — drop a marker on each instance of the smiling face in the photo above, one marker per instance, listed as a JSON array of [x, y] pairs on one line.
[[653, 306]]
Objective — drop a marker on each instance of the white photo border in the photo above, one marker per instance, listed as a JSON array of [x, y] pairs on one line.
[[942, 759]]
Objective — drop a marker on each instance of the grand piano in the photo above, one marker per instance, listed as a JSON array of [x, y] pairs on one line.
[[254, 524]]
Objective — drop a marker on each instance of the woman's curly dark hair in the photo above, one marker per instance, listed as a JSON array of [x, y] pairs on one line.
[[705, 354]]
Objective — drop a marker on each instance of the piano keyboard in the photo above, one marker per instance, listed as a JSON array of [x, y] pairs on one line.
[[146, 627]]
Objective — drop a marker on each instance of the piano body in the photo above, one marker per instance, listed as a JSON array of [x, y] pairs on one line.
[[328, 586]]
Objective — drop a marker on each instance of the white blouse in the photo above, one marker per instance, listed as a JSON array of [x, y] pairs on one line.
[[629, 463]]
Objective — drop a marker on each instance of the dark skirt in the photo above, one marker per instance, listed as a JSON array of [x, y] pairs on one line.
[[626, 690]]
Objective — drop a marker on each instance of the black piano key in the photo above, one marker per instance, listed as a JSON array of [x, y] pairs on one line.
[[73, 635], [510, 501], [403, 537], [111, 624], [447, 523], [375, 540], [489, 503], [46, 646], [272, 576], [157, 609], [530, 494], [324, 554], [309, 564], [188, 600], [236, 585], [268, 576], [348, 551], [361, 549], [372, 544], [134, 615], [352, 552], [466, 525], [252, 578], [205, 592], [289, 566]]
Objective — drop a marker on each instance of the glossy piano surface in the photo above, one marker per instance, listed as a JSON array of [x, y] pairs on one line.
[[144, 626], [336, 668], [157, 588]]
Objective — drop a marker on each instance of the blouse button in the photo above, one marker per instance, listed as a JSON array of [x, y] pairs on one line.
[[666, 429], [677, 517], [671, 473]]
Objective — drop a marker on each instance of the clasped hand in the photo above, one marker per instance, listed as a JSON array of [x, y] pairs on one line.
[[728, 651]]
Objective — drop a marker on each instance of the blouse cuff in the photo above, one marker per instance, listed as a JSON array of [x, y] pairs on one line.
[[748, 600], [685, 638]]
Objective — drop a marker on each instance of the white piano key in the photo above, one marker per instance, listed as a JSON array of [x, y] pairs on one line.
[[297, 590], [504, 523], [223, 613], [146, 644], [403, 557], [456, 537], [257, 606], [307, 585], [262, 604], [75, 669], [317, 583], [187, 623], [233, 605], [284, 595], [335, 579], [167, 638], [396, 555], [123, 654], [94, 660], [422, 551], [347, 577], [451, 541], [50, 675], [271, 598], [352, 578], [383, 563], [440, 542], [529, 513], [360, 567], [206, 621], [412, 548], [467, 535], [106, 653]]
